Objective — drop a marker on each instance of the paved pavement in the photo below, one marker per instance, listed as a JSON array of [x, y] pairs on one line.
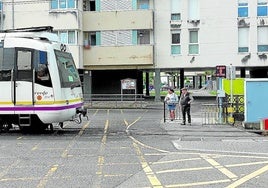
[[204, 132], [197, 126]]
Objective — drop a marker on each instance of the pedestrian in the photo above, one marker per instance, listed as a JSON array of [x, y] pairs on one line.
[[185, 103], [171, 99]]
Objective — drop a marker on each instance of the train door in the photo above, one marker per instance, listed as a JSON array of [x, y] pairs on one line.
[[24, 78]]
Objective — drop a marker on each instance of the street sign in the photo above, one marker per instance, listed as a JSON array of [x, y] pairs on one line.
[[221, 71]]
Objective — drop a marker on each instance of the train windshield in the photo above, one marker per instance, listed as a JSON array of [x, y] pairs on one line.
[[68, 73]]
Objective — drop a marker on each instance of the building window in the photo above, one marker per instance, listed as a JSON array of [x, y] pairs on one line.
[[193, 9], [242, 8], [243, 39], [71, 37], [116, 38], [193, 42], [262, 39], [143, 37], [113, 5], [63, 4], [175, 10], [90, 38], [175, 16], [175, 42], [89, 5], [67, 37], [143, 4], [262, 8]]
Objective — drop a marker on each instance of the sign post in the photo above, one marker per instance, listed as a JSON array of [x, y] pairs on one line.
[[231, 75], [220, 73], [128, 84]]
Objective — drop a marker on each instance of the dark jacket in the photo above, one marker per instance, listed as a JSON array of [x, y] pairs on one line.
[[186, 99]]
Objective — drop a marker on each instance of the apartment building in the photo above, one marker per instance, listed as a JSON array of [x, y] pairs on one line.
[[116, 39]]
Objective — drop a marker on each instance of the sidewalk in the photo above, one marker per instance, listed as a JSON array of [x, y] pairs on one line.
[[196, 131]]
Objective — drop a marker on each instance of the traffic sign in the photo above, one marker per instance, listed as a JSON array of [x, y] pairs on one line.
[[221, 71]]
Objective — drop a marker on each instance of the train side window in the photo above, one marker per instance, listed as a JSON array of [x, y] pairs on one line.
[[42, 72], [42, 76], [7, 61]]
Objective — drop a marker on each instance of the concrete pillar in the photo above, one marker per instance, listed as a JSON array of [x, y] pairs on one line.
[[87, 84], [157, 85], [178, 82], [200, 81], [242, 72], [174, 81], [147, 84], [194, 83], [181, 78]]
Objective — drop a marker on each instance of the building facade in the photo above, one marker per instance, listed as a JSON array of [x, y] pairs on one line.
[[116, 39]]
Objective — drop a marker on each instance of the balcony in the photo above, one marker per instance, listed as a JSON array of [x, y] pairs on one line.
[[118, 56], [117, 20]]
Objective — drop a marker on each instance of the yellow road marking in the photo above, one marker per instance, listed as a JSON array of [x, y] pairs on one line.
[[184, 170], [221, 168], [247, 164], [65, 152], [35, 147], [83, 129], [101, 159], [136, 141], [43, 181], [133, 122], [18, 179], [147, 146], [198, 183], [117, 175], [129, 125], [147, 169], [174, 161], [5, 171], [125, 121], [248, 177]]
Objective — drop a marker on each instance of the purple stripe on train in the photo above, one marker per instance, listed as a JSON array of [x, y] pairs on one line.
[[40, 108]]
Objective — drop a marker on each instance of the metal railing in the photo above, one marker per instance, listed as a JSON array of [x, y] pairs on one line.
[[114, 100], [213, 114]]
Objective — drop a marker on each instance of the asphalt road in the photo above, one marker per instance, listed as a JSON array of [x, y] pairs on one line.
[[134, 148]]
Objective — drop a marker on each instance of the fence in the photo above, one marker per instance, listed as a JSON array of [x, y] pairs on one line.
[[114, 100], [213, 114], [231, 112], [238, 106]]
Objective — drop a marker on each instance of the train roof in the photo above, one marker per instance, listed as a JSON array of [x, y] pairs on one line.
[[43, 33]]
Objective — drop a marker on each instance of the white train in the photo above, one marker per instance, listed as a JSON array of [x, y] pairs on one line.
[[39, 82]]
